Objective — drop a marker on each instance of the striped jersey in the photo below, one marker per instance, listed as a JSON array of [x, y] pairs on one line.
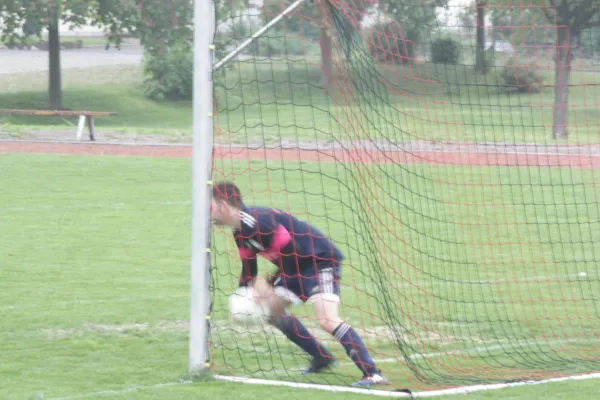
[[289, 243]]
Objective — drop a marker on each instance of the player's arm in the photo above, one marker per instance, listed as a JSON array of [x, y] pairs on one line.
[[275, 239], [278, 242], [249, 264], [267, 237]]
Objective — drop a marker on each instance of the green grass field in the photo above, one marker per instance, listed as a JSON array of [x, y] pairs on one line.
[[423, 102], [284, 100], [117, 88], [482, 265], [94, 275]]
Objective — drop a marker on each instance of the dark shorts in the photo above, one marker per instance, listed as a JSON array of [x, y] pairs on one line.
[[323, 279]]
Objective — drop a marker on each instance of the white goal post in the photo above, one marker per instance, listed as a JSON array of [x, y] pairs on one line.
[[201, 174], [204, 27]]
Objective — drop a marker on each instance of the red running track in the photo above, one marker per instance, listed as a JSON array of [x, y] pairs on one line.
[[339, 155]]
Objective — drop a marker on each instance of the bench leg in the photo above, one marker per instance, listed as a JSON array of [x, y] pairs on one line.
[[80, 126], [91, 127]]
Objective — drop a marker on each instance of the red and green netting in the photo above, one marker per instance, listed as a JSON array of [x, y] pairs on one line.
[[451, 150]]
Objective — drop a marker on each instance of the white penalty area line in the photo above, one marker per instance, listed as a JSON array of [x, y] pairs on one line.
[[383, 393], [342, 389], [338, 389]]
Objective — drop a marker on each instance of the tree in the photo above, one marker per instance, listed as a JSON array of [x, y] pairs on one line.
[[314, 20], [348, 12], [164, 24], [165, 28], [302, 23], [532, 38], [466, 17], [22, 18], [160, 25], [480, 66], [417, 18], [474, 16], [571, 17], [590, 42]]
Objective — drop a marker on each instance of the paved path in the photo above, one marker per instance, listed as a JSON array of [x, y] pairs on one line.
[[26, 61]]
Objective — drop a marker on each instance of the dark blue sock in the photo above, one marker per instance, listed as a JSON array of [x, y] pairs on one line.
[[355, 348], [293, 329]]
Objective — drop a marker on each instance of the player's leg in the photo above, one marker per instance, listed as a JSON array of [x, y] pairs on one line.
[[277, 298], [326, 305]]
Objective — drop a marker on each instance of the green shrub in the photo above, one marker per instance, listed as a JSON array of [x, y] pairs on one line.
[[520, 75], [445, 51], [170, 76]]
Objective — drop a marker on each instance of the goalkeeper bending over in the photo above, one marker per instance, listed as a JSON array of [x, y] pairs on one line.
[[309, 270]]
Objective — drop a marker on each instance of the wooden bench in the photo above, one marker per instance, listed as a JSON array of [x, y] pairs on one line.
[[84, 116]]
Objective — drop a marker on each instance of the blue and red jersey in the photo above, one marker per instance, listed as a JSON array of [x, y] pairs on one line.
[[291, 244]]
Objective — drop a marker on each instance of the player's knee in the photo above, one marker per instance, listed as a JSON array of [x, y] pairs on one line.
[[328, 324], [326, 311]]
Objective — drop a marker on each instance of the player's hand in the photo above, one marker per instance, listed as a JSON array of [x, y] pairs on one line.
[[262, 289]]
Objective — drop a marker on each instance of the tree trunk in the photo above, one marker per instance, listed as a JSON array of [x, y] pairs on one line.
[[564, 56], [480, 50], [55, 85], [326, 63]]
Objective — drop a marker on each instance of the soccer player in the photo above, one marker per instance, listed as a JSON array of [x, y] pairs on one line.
[[309, 267]]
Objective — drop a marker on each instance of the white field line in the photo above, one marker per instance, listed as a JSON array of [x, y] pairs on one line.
[[433, 393], [459, 390]]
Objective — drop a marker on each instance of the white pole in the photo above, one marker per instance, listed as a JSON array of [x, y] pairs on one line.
[[258, 34], [201, 187], [80, 127]]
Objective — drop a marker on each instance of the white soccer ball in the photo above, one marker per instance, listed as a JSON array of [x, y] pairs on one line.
[[244, 309]]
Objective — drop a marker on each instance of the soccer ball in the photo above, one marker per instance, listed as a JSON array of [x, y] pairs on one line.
[[243, 308]]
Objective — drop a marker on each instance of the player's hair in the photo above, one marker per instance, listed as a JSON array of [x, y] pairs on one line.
[[228, 192]]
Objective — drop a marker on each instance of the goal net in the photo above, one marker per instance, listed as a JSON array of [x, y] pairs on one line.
[[435, 143]]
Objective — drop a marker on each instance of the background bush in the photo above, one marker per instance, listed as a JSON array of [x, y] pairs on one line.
[[445, 51], [170, 76], [521, 75]]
